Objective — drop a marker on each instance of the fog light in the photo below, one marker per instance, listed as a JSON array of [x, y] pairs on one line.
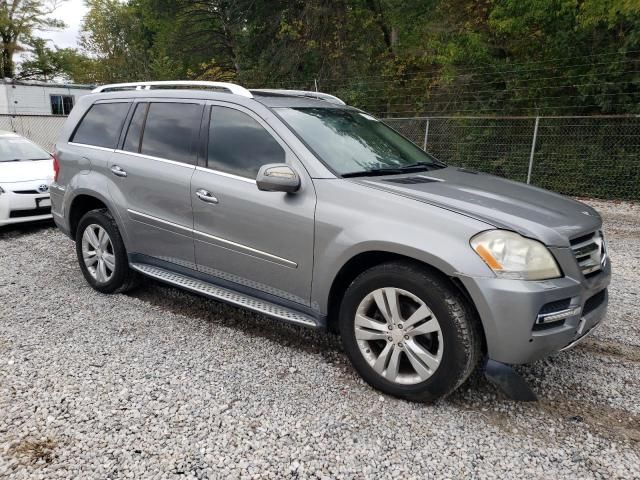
[[557, 316]]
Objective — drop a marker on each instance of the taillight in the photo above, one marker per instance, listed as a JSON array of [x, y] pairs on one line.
[[56, 167]]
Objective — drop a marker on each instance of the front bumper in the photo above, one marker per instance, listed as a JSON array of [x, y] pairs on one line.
[[16, 207], [509, 310]]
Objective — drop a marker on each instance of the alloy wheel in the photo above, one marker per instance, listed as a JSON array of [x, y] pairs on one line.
[[398, 335], [97, 253]]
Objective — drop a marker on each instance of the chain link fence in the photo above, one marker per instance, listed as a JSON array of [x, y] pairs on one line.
[[596, 156], [41, 129]]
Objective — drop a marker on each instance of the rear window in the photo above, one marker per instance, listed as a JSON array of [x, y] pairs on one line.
[[170, 131], [101, 125]]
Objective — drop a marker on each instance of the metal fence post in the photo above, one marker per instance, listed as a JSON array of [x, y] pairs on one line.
[[533, 149], [426, 135]]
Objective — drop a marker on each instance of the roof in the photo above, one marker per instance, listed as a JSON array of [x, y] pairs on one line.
[[275, 101], [271, 98]]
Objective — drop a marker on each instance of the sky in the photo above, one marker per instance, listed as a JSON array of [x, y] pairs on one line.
[[71, 13]]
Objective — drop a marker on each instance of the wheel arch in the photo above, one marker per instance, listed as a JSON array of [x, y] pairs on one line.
[[84, 201], [363, 261]]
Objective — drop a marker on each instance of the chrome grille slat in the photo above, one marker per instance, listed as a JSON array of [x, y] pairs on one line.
[[590, 254], [580, 245]]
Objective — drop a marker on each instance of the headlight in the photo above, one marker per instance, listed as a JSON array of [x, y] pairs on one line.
[[510, 255]]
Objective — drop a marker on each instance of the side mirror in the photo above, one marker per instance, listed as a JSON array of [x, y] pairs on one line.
[[277, 177]]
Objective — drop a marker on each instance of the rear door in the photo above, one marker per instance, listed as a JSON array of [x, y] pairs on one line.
[[152, 172], [258, 240]]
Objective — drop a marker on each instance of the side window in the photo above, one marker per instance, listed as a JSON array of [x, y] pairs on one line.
[[134, 132], [240, 145], [101, 125], [61, 104], [170, 130]]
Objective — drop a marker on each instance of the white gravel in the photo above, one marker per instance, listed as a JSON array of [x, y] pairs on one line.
[[165, 384]]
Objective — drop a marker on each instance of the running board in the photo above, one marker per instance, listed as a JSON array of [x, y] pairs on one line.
[[225, 295]]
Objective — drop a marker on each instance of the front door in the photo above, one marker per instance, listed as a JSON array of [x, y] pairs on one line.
[[152, 173], [261, 241]]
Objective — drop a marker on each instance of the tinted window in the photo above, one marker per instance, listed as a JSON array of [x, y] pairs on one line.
[[170, 130], [239, 145], [132, 140], [101, 125]]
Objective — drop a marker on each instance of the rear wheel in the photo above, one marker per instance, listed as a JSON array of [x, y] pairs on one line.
[[408, 332], [102, 255]]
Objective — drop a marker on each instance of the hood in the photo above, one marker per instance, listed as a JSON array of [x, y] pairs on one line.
[[530, 211], [26, 171]]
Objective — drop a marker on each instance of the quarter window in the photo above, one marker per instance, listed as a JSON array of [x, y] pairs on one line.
[[170, 131], [240, 145], [61, 104], [101, 125]]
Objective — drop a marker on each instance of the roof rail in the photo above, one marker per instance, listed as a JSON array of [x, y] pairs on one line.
[[301, 93], [231, 87]]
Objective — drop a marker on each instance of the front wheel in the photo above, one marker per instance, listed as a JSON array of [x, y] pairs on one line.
[[102, 255], [409, 332]]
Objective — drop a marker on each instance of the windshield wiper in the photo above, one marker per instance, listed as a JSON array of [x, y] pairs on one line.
[[423, 165], [374, 172], [412, 167]]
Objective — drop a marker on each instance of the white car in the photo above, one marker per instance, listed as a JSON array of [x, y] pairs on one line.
[[26, 171]]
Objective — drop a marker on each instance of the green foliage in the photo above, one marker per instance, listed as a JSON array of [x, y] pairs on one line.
[[392, 57], [18, 21]]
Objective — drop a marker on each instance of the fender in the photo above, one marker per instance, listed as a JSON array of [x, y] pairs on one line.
[[396, 225], [94, 185]]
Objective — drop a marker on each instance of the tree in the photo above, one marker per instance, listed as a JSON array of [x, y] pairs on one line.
[[18, 21], [46, 64], [114, 35]]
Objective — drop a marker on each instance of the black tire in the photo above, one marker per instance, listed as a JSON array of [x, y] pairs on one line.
[[123, 278], [460, 329]]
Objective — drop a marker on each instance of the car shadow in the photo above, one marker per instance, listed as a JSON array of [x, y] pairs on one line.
[[16, 229], [218, 313]]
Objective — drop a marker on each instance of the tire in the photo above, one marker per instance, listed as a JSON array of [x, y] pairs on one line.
[[451, 346], [118, 279]]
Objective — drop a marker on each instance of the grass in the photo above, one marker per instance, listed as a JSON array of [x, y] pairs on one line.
[[35, 451]]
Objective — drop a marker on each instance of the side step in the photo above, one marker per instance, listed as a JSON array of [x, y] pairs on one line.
[[225, 295]]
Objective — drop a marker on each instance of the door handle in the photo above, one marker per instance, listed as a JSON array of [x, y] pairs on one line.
[[118, 171], [206, 196]]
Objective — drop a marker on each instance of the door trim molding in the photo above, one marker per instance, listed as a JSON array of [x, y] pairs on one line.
[[135, 213], [158, 159], [245, 249], [254, 252], [225, 174]]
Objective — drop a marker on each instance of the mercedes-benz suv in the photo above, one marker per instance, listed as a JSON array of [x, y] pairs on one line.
[[297, 206]]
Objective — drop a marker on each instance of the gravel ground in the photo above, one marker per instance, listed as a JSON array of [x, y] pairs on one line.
[[164, 384]]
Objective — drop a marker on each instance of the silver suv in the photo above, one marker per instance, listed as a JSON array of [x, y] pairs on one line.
[[297, 206]]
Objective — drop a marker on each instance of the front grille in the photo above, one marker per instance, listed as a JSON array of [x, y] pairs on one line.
[[30, 213], [594, 302], [590, 253]]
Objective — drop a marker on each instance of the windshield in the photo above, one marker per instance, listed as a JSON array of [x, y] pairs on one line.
[[14, 148], [354, 143]]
